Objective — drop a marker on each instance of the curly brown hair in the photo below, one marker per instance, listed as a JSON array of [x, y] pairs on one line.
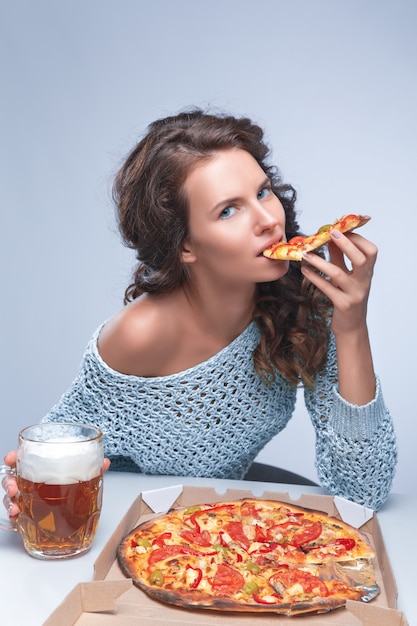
[[152, 210]]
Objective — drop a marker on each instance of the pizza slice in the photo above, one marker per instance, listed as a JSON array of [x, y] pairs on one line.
[[293, 249], [301, 536]]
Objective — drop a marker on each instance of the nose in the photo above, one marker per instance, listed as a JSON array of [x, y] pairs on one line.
[[267, 218]]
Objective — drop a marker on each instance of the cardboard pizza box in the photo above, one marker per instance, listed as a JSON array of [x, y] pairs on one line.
[[111, 599]]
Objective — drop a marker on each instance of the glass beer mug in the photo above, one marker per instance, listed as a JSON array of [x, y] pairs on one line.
[[59, 473]]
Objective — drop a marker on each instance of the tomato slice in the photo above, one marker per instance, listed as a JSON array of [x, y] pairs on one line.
[[339, 546], [249, 509], [235, 530], [167, 552], [227, 580], [199, 539], [347, 219], [306, 534], [279, 529], [296, 241], [309, 582]]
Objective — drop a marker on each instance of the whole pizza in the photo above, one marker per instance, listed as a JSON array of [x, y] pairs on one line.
[[250, 555]]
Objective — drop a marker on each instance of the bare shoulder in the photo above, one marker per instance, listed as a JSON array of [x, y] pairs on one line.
[[138, 338]]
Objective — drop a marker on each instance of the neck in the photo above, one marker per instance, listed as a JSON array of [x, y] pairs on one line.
[[223, 313]]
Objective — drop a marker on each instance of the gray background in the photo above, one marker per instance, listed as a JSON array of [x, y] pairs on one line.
[[332, 81]]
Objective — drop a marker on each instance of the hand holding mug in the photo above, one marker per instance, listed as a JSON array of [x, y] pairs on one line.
[[57, 485], [9, 483]]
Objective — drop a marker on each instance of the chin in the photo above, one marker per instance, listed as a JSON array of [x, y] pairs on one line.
[[276, 273]]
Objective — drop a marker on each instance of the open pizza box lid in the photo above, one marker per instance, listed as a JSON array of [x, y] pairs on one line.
[[111, 599]]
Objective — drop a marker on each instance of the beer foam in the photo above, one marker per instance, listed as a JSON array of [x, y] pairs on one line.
[[62, 463]]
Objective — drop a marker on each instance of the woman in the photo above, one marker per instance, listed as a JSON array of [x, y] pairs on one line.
[[200, 369]]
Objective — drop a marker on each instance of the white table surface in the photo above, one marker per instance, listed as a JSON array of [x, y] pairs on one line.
[[30, 589]]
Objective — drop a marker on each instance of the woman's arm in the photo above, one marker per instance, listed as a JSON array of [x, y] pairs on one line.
[[356, 450]]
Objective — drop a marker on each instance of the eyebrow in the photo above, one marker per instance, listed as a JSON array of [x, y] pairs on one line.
[[230, 201]]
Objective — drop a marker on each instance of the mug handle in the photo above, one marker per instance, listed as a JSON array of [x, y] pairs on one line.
[[6, 470]]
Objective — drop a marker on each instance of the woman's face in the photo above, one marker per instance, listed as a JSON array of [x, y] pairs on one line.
[[233, 217]]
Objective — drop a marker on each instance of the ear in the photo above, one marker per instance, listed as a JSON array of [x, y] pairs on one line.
[[188, 254]]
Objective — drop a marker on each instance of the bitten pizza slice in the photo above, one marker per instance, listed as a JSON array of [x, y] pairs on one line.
[[293, 249]]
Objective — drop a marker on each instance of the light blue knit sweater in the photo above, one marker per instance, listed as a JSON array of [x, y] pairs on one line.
[[213, 419]]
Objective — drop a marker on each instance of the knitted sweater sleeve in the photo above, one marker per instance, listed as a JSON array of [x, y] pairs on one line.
[[356, 450]]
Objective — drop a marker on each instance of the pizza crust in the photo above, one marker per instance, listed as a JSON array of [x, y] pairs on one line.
[[294, 249]]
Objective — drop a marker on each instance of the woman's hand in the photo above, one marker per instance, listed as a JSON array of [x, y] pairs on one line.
[[10, 485], [348, 289]]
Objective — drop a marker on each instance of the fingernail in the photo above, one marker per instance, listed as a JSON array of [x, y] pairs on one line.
[[336, 234]]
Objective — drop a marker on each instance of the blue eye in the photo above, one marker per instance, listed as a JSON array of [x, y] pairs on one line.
[[263, 193], [228, 212]]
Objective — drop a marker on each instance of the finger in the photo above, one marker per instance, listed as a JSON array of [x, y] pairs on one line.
[[11, 506], [361, 259], [106, 465], [355, 247], [10, 458], [326, 268], [334, 282], [337, 257], [10, 486]]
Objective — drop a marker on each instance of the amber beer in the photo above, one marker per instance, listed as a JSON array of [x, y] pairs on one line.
[[59, 475], [59, 520]]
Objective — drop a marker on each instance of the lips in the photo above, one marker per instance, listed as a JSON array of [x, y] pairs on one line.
[[271, 243]]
